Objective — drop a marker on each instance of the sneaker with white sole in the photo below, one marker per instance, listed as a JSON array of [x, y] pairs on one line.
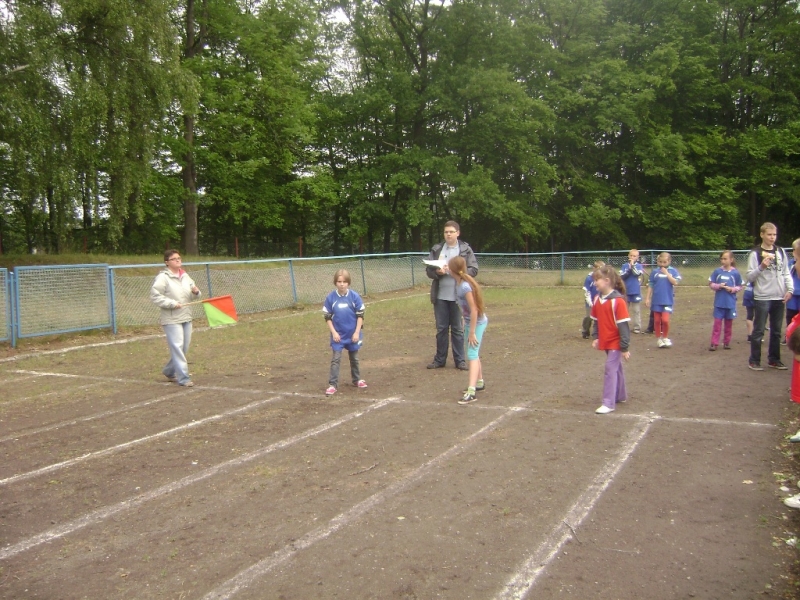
[[754, 366], [660, 342], [467, 398], [361, 384], [604, 410], [792, 501], [330, 391], [776, 364], [667, 343]]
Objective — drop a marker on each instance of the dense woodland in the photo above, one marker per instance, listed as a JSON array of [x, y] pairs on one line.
[[358, 125]]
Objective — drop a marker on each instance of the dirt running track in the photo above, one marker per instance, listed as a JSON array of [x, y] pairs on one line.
[[253, 485]]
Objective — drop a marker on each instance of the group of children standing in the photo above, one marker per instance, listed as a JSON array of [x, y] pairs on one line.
[[613, 304]]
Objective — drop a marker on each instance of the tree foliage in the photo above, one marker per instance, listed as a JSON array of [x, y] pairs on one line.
[[365, 124]]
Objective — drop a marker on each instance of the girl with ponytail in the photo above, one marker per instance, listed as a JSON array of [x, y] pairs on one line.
[[470, 299]]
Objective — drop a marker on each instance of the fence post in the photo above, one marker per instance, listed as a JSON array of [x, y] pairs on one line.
[[7, 304], [562, 268], [112, 301], [291, 276], [363, 278], [411, 258], [208, 279], [12, 295]]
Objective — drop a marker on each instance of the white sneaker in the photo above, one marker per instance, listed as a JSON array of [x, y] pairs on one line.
[[660, 342], [667, 343], [604, 410], [792, 501]]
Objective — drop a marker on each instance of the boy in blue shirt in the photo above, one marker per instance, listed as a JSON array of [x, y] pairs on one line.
[[630, 272]]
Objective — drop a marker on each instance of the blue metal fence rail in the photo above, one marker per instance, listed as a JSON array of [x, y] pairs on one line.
[[49, 300], [46, 300], [5, 297]]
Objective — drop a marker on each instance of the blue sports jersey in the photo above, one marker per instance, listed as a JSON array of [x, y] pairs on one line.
[[462, 290], [663, 290], [794, 302], [630, 276], [589, 286], [732, 278], [748, 295], [343, 309]]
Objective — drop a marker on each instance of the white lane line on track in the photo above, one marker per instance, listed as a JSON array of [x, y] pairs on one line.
[[136, 442], [53, 393], [139, 381], [716, 422], [521, 583], [109, 511], [17, 379], [93, 417], [617, 415], [246, 577]]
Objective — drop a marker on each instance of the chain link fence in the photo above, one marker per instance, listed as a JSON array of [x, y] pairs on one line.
[[59, 299], [571, 268], [264, 285], [5, 306]]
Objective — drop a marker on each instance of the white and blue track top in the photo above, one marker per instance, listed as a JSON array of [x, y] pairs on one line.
[[343, 310]]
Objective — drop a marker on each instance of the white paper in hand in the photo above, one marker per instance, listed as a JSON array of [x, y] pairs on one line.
[[439, 264]]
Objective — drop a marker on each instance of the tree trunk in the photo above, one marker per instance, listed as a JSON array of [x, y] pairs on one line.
[[188, 171], [51, 225]]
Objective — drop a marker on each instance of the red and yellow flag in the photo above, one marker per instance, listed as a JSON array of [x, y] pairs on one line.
[[220, 311]]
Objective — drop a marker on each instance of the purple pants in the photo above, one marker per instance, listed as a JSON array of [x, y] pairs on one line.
[[716, 331], [613, 380]]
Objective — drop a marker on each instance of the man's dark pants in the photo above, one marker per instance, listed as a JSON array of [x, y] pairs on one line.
[[448, 320], [774, 310]]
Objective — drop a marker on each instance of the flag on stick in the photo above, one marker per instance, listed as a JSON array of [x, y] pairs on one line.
[[220, 311]]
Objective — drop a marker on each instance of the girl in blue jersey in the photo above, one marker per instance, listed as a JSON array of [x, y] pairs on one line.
[[726, 283], [470, 299], [589, 294], [344, 313], [661, 297], [749, 307]]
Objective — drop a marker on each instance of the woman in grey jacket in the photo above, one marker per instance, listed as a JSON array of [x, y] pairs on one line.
[[171, 291]]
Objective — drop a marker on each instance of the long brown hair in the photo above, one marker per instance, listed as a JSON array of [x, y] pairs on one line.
[[729, 253], [610, 273], [458, 265]]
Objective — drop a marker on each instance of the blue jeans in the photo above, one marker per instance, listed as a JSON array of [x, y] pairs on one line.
[[179, 336], [448, 324], [774, 310]]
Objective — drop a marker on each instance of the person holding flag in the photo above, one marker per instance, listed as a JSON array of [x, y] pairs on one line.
[[172, 290]]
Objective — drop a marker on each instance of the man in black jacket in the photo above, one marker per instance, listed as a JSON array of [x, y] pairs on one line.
[[443, 296]]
